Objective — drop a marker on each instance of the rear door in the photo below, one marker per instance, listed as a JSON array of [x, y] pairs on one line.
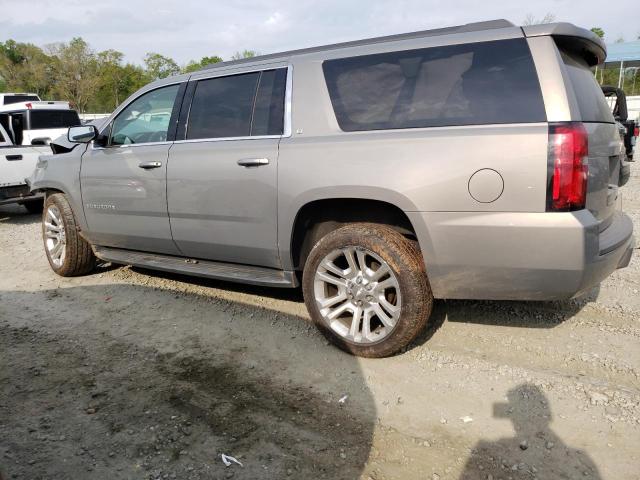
[[606, 150], [222, 174]]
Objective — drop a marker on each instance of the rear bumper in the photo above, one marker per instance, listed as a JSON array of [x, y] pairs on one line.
[[520, 256]]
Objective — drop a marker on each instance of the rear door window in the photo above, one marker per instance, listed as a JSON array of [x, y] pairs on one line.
[[591, 101], [222, 107], [478, 83], [249, 104], [268, 113]]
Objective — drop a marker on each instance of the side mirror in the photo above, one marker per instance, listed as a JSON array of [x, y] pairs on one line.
[[83, 134], [41, 141]]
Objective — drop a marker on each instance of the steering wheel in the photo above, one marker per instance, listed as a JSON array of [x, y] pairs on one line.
[[121, 139], [159, 136]]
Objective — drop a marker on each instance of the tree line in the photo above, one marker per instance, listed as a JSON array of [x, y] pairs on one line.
[[99, 81], [92, 81]]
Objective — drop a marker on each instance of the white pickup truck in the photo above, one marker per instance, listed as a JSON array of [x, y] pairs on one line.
[[37, 122], [17, 162]]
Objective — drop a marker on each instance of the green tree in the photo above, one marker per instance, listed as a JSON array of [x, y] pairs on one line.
[[244, 54], [159, 66], [598, 31], [25, 67], [193, 66], [76, 72]]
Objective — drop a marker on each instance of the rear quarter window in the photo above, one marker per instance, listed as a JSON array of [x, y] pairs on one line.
[[471, 84], [592, 103]]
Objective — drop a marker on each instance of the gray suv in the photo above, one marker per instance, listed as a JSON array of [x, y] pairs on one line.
[[473, 162]]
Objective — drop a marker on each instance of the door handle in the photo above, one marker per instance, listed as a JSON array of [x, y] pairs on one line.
[[12, 158], [150, 165], [253, 162]]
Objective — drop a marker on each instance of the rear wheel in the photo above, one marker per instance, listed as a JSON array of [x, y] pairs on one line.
[[366, 289], [68, 253]]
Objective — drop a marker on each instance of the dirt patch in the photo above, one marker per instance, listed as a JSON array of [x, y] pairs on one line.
[[108, 409]]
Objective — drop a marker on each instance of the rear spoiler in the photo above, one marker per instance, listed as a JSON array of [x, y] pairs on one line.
[[569, 37]]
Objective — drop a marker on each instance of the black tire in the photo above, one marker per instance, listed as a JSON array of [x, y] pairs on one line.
[[79, 258], [404, 259], [34, 206]]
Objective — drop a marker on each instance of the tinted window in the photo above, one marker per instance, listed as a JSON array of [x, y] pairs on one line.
[[146, 119], [222, 107], [591, 101], [39, 119], [479, 83], [268, 114], [20, 98], [2, 139]]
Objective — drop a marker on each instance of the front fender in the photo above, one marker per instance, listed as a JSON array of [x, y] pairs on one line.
[[61, 173]]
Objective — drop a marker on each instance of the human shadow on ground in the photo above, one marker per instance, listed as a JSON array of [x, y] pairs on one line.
[[535, 451], [126, 381]]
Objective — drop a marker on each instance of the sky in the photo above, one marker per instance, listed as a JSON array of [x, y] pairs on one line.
[[191, 29]]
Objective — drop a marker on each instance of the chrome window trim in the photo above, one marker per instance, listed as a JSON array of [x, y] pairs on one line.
[[135, 145], [287, 111], [286, 131], [228, 139]]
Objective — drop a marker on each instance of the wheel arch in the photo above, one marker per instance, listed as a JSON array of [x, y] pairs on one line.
[[52, 187], [318, 216]]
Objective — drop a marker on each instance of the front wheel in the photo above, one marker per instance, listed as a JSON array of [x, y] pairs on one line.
[[366, 289], [68, 253]]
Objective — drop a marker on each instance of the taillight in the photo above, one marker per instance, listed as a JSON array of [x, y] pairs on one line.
[[28, 105], [636, 132], [568, 169]]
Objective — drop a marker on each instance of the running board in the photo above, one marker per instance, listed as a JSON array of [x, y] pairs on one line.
[[200, 268]]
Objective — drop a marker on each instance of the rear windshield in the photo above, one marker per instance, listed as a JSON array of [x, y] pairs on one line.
[[9, 99], [592, 103], [471, 84], [41, 119]]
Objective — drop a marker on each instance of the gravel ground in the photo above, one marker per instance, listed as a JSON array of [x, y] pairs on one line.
[[131, 374]]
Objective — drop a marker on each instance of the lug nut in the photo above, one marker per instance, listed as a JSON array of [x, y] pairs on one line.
[[368, 287], [359, 303], [359, 280], [369, 298]]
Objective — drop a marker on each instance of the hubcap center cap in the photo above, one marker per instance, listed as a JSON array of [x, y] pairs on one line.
[[361, 291]]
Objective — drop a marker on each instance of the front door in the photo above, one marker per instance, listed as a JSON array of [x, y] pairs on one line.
[[124, 190], [222, 176]]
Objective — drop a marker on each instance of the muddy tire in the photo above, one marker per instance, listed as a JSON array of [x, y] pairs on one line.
[[366, 289], [68, 253], [34, 207]]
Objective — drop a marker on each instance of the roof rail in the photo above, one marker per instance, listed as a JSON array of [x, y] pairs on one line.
[[469, 27]]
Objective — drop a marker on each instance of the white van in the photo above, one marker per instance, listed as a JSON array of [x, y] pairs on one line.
[[38, 122]]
